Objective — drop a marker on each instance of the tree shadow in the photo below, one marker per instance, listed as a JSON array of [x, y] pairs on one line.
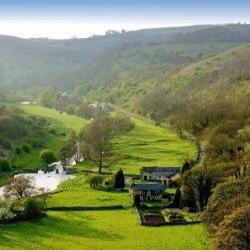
[[54, 227]]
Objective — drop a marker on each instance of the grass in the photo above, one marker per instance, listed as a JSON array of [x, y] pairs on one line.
[[149, 145], [62, 123], [145, 145], [76, 192], [118, 229]]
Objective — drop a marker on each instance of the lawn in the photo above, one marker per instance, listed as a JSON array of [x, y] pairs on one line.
[[61, 122], [77, 192], [117, 229]]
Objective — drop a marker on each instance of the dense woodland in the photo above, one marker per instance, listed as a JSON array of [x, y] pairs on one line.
[[195, 80]]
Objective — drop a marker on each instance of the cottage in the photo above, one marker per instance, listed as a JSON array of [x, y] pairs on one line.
[[158, 173], [147, 191]]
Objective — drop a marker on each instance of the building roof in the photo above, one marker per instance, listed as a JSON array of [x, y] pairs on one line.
[[160, 169], [148, 187]]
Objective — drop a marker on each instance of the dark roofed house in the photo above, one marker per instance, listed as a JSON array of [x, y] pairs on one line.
[[147, 191], [158, 173]]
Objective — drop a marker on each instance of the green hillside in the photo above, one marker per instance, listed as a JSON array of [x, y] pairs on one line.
[[61, 123], [225, 75], [114, 58]]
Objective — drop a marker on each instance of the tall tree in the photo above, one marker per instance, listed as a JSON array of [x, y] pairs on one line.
[[96, 142]]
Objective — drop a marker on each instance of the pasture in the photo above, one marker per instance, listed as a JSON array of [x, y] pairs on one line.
[[117, 229]]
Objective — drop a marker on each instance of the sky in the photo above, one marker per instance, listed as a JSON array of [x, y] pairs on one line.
[[68, 18]]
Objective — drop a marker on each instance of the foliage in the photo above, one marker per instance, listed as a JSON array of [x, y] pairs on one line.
[[119, 179], [95, 180], [33, 208], [226, 196], [234, 231], [18, 150], [4, 165], [176, 203], [26, 148], [96, 140], [47, 156], [197, 186], [19, 187]]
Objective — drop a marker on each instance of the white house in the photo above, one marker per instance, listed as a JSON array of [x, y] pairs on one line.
[[158, 173]]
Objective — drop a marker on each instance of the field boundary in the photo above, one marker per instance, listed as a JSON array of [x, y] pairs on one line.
[[82, 208]]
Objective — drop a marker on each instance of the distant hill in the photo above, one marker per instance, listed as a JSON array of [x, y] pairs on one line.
[[117, 58], [226, 74]]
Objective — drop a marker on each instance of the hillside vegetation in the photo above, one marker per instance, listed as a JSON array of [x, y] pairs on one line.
[[223, 76], [110, 59]]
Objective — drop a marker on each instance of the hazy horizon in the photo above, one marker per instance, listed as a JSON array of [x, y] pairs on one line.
[[65, 19]]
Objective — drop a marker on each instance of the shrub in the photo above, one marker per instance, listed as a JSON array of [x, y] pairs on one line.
[[177, 199], [33, 208], [37, 143], [5, 143], [4, 164], [62, 134], [95, 180], [119, 180], [47, 156], [52, 130], [26, 148], [18, 150], [6, 215]]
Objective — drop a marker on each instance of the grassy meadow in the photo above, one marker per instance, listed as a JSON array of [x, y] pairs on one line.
[[149, 145], [62, 123], [76, 192], [118, 229], [145, 145]]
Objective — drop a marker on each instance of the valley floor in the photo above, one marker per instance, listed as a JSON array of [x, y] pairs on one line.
[[145, 145], [117, 229]]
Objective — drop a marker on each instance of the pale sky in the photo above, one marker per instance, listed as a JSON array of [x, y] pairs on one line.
[[64, 19]]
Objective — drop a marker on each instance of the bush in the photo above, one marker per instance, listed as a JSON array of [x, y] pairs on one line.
[[6, 215], [52, 131], [119, 180], [5, 143], [18, 150], [4, 164], [47, 156], [26, 148], [33, 208], [95, 180]]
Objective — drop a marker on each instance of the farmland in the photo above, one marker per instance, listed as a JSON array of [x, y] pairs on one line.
[[116, 229]]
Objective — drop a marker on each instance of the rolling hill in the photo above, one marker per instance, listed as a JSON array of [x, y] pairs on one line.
[[114, 58], [223, 76]]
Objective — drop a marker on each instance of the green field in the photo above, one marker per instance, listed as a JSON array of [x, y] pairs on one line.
[[118, 229], [62, 123], [145, 145], [76, 192], [149, 145]]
